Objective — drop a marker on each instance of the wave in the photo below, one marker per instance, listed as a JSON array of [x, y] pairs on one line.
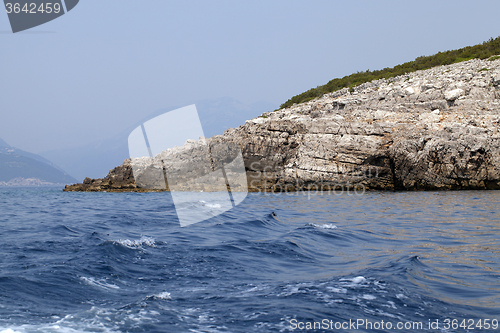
[[101, 283], [135, 244], [204, 203], [165, 295], [246, 269], [323, 226], [95, 319]]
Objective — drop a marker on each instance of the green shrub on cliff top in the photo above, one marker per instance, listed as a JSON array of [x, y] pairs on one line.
[[487, 50]]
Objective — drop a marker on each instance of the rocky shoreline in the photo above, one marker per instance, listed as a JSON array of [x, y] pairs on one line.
[[436, 129]]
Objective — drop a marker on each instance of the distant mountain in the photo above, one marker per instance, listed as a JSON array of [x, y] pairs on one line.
[[17, 165], [3, 144], [96, 159]]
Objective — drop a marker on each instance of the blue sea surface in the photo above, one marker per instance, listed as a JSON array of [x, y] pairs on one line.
[[120, 262]]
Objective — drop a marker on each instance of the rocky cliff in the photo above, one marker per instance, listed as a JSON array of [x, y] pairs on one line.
[[431, 129]]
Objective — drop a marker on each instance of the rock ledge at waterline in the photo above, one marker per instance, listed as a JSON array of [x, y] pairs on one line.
[[436, 129]]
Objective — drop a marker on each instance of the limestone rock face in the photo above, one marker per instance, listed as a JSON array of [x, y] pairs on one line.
[[496, 80], [452, 95], [432, 129]]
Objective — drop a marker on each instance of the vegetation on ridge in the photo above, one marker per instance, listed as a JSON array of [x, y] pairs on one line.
[[487, 50]]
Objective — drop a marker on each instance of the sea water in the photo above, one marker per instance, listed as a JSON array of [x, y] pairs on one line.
[[120, 262]]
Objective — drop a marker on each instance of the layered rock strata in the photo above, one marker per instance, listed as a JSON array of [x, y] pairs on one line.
[[436, 129]]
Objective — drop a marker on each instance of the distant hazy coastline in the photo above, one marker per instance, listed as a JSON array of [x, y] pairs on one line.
[[28, 182]]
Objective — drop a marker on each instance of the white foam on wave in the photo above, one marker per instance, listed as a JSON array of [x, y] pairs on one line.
[[378, 312], [323, 226], [165, 295], [358, 279], [98, 283], [54, 328], [355, 280], [37, 329], [204, 203], [134, 244], [96, 319], [337, 290], [290, 290], [392, 304], [368, 297]]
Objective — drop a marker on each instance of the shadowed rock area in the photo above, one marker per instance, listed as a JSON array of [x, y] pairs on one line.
[[436, 129]]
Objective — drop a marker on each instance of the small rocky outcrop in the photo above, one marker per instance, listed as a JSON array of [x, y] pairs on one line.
[[436, 129], [120, 179]]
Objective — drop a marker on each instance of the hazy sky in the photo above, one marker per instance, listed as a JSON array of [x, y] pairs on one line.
[[108, 63]]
